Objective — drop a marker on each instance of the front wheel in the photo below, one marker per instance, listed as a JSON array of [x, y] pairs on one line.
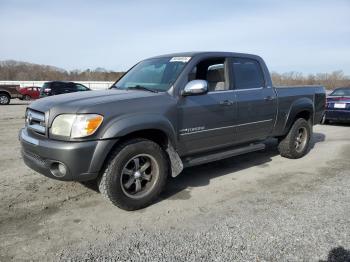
[[4, 99], [135, 175], [296, 143]]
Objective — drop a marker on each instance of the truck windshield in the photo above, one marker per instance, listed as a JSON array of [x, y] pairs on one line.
[[156, 74]]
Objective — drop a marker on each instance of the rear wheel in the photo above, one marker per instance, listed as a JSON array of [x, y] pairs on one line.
[[27, 97], [296, 143], [135, 175], [324, 121], [4, 99]]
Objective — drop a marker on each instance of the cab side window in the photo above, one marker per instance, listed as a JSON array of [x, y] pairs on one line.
[[213, 71], [80, 87], [247, 74]]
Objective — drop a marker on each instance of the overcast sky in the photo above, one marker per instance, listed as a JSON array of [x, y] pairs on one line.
[[305, 36]]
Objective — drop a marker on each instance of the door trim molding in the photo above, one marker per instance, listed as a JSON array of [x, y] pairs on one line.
[[224, 127]]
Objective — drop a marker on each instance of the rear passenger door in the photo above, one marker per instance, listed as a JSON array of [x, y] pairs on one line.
[[256, 102]]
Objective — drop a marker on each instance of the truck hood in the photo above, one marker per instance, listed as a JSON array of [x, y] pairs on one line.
[[75, 102]]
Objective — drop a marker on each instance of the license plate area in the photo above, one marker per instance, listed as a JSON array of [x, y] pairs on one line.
[[339, 105]]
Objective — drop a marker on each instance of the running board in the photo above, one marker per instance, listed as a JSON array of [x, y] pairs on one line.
[[194, 161]]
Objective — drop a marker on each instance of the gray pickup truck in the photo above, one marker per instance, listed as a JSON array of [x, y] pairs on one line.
[[167, 113]]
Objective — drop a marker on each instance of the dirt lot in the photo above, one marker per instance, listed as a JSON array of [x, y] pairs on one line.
[[253, 207]]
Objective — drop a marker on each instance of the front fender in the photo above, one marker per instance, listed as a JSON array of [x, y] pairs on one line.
[[131, 123], [298, 106]]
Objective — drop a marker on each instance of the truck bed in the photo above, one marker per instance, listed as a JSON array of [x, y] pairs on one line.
[[289, 95]]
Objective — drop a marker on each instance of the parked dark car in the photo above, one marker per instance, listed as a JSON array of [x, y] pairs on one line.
[[8, 92], [30, 92], [167, 113], [338, 106], [61, 87]]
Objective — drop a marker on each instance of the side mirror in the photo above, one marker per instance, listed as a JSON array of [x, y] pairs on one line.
[[195, 87]]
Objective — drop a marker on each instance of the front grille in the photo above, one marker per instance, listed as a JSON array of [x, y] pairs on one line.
[[35, 121]]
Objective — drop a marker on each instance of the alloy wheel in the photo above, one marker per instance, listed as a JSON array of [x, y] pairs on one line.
[[4, 100], [139, 175], [301, 139]]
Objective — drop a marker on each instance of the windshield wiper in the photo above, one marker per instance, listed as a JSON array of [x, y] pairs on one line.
[[138, 87]]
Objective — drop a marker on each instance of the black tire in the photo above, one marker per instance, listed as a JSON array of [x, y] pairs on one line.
[[111, 183], [27, 98], [4, 99], [324, 121], [289, 146]]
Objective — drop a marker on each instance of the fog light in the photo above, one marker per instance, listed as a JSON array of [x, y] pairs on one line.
[[62, 169], [58, 169]]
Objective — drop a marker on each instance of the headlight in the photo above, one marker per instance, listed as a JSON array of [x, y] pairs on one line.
[[76, 126]]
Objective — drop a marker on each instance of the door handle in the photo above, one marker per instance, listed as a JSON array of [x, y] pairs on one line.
[[269, 98], [226, 103]]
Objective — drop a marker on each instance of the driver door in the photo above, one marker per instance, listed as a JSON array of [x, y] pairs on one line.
[[206, 121]]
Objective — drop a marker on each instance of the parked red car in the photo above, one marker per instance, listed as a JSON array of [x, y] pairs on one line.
[[30, 92]]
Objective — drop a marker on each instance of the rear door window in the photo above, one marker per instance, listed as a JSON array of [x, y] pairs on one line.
[[247, 74], [60, 88], [70, 87], [56, 88]]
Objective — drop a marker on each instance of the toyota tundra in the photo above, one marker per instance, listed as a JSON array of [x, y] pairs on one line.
[[167, 113]]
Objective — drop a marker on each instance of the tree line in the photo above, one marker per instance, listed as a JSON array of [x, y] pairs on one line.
[[328, 80], [22, 71]]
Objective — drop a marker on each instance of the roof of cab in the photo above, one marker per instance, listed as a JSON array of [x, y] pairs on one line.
[[208, 53], [59, 81]]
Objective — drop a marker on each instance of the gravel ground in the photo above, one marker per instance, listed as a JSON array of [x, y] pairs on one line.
[[255, 207]]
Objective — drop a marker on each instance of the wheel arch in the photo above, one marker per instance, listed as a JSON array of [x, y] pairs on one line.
[[148, 127], [141, 124], [5, 92], [302, 108]]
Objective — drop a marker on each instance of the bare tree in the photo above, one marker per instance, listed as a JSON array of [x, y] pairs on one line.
[[329, 80]]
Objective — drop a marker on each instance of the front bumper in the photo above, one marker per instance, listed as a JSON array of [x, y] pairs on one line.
[[338, 115], [82, 160]]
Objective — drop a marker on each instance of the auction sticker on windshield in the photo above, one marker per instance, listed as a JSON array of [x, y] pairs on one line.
[[183, 59]]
